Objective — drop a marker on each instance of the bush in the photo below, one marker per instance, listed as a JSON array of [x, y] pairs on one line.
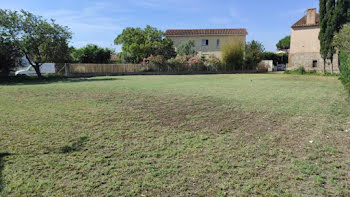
[[214, 63], [342, 41], [156, 63], [187, 49], [197, 64], [301, 70], [345, 71], [232, 56], [179, 63]]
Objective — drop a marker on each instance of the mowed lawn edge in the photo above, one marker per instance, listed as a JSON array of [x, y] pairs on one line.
[[176, 135]]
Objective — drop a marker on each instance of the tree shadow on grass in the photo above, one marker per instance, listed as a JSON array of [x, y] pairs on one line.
[[76, 145], [48, 80], [2, 165]]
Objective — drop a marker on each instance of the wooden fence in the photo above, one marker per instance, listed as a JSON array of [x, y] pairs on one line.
[[90, 70], [104, 68]]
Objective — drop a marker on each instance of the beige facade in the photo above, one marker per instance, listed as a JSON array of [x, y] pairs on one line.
[[215, 42], [208, 41], [305, 45]]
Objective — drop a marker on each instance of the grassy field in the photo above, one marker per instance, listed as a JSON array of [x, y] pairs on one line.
[[205, 135]]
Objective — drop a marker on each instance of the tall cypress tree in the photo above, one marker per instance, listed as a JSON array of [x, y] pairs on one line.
[[322, 36], [330, 30], [341, 13]]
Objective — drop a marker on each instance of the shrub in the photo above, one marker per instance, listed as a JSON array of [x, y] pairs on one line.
[[342, 41], [179, 63], [214, 63], [156, 63], [232, 56], [301, 70], [197, 64], [187, 49], [345, 71]]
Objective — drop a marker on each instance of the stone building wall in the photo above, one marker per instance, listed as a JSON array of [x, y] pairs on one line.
[[311, 62]]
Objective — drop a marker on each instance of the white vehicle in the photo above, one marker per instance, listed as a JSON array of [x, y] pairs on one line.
[[47, 68]]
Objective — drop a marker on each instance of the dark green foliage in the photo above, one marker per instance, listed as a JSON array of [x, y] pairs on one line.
[[281, 58], [141, 43], [322, 36], [342, 42], [187, 49], [10, 56], [284, 43], [253, 54], [92, 54], [39, 40], [345, 70], [333, 14]]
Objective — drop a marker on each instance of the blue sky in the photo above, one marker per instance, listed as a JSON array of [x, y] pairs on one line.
[[99, 22]]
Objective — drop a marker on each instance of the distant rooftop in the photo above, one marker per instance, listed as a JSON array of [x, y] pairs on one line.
[[302, 22], [193, 32]]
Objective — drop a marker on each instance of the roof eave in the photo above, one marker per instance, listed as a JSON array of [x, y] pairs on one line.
[[243, 34]]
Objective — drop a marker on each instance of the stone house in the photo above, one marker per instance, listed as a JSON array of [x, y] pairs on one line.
[[207, 41], [305, 45]]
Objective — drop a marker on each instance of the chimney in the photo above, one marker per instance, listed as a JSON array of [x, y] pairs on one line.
[[311, 16]]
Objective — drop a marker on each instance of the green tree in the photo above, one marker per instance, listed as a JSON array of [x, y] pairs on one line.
[[187, 49], [331, 29], [233, 56], [283, 43], [92, 54], [10, 56], [141, 43], [39, 40], [322, 36], [342, 42], [333, 14], [253, 54]]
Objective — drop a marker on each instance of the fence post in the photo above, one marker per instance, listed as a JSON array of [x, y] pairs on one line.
[[67, 69], [124, 69]]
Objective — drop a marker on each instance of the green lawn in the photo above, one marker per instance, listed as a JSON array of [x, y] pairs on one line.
[[203, 135]]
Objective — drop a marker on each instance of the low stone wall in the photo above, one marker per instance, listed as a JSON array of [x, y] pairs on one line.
[[306, 60]]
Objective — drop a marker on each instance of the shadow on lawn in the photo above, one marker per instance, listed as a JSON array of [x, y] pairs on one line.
[[2, 165], [48, 80], [77, 145]]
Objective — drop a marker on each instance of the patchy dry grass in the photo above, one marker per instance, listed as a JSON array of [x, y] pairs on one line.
[[217, 135]]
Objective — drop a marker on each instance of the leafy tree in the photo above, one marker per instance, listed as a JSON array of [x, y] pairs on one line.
[[141, 43], [39, 40], [342, 42], [187, 49], [232, 56], [283, 43], [166, 49], [281, 58], [92, 54], [253, 54], [10, 56]]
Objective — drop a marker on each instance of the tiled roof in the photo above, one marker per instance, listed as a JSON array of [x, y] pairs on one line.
[[190, 32], [302, 22]]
